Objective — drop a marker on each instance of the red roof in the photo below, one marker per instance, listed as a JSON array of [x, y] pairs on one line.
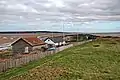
[[34, 41]]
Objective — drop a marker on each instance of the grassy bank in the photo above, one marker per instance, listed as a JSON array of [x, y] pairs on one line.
[[98, 60]]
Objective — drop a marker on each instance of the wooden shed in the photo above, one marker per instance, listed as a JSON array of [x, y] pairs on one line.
[[27, 45]]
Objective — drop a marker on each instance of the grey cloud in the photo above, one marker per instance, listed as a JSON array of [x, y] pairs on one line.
[[53, 11]]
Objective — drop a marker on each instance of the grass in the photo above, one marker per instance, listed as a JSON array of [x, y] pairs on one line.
[[98, 60]]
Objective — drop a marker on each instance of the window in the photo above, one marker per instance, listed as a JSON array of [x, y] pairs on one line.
[[26, 49]]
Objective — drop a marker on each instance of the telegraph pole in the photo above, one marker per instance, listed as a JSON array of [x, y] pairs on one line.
[[63, 31], [77, 37], [52, 32]]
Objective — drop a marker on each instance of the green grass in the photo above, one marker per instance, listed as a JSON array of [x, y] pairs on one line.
[[98, 60]]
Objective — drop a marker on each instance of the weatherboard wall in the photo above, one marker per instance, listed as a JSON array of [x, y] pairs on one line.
[[19, 46]]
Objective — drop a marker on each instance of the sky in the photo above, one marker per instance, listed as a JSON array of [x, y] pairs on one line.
[[60, 15]]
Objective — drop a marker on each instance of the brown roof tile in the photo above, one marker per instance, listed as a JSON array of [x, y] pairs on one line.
[[34, 41]]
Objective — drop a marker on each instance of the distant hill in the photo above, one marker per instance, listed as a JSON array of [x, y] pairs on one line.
[[14, 32], [117, 34]]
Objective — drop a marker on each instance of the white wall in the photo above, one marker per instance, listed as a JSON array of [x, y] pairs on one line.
[[56, 44], [48, 41], [64, 42], [60, 43]]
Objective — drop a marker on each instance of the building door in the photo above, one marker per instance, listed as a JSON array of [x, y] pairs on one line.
[[26, 49]]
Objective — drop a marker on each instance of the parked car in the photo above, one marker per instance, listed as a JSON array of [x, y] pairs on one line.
[[3, 48], [50, 49]]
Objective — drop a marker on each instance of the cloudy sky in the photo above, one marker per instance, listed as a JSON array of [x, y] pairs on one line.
[[59, 15]]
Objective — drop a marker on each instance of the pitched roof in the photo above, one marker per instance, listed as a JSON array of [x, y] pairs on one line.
[[56, 39], [33, 41]]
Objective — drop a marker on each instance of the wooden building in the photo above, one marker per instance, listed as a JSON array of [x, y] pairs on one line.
[[27, 45]]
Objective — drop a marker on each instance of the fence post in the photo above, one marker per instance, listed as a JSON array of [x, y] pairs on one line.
[[1, 66]]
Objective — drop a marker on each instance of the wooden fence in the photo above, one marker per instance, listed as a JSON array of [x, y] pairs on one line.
[[79, 43], [28, 58], [32, 57]]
